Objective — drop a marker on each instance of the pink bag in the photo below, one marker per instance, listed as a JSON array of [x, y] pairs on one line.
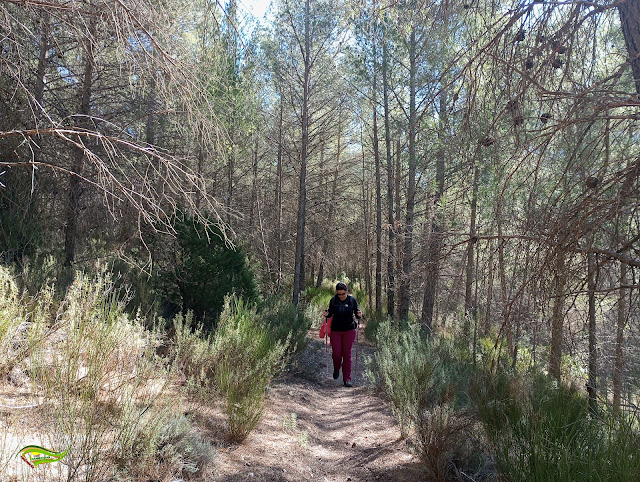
[[325, 328]]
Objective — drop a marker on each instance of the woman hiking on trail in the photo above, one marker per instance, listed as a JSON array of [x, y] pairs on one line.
[[343, 307]]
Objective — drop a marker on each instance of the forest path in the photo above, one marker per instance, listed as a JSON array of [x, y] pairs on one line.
[[315, 429]]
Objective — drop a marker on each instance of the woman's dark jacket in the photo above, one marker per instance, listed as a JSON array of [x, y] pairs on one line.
[[343, 313]]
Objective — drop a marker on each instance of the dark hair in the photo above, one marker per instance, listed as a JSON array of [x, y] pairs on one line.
[[341, 286]]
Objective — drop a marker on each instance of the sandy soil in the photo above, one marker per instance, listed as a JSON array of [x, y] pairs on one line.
[[315, 429]]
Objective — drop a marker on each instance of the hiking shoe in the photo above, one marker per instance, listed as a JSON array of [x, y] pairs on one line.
[[336, 374], [347, 383]]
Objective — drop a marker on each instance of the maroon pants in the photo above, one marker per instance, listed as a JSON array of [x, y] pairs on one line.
[[341, 343]]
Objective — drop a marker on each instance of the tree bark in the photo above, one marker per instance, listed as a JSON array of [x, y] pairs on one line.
[[45, 31], [405, 285], [435, 238], [42, 63], [365, 231], [399, 255], [593, 360], [326, 242], [254, 187], [298, 279], [620, 326], [629, 12], [557, 319], [502, 268], [376, 155], [84, 109], [486, 323], [278, 199], [469, 306], [390, 215]]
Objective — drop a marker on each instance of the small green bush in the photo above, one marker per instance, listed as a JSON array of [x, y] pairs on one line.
[[163, 444], [247, 358], [541, 430], [320, 296], [192, 355], [417, 371], [282, 320], [12, 316], [426, 379], [372, 327], [99, 373], [445, 442], [200, 270], [22, 230]]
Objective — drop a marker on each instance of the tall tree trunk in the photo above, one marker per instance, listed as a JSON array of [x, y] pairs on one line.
[[376, 155], [42, 64], [201, 159], [593, 360], [469, 306], [486, 324], [390, 215], [520, 314], [620, 325], [45, 29], [230, 168], [365, 230], [557, 317], [278, 199], [399, 255], [84, 109], [502, 269], [437, 228], [326, 242], [298, 279], [150, 127], [254, 187], [405, 285], [629, 11]]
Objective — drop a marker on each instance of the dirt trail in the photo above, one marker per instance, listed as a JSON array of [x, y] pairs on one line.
[[316, 429]]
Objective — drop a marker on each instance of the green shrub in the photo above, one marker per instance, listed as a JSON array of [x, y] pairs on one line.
[[320, 296], [105, 388], [192, 355], [282, 320], [201, 270], [445, 442], [22, 230], [240, 358], [163, 445], [426, 379], [541, 431], [247, 358], [12, 316], [417, 371], [372, 327], [99, 375]]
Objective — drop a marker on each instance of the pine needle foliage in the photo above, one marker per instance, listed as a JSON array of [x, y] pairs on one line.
[[201, 269]]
